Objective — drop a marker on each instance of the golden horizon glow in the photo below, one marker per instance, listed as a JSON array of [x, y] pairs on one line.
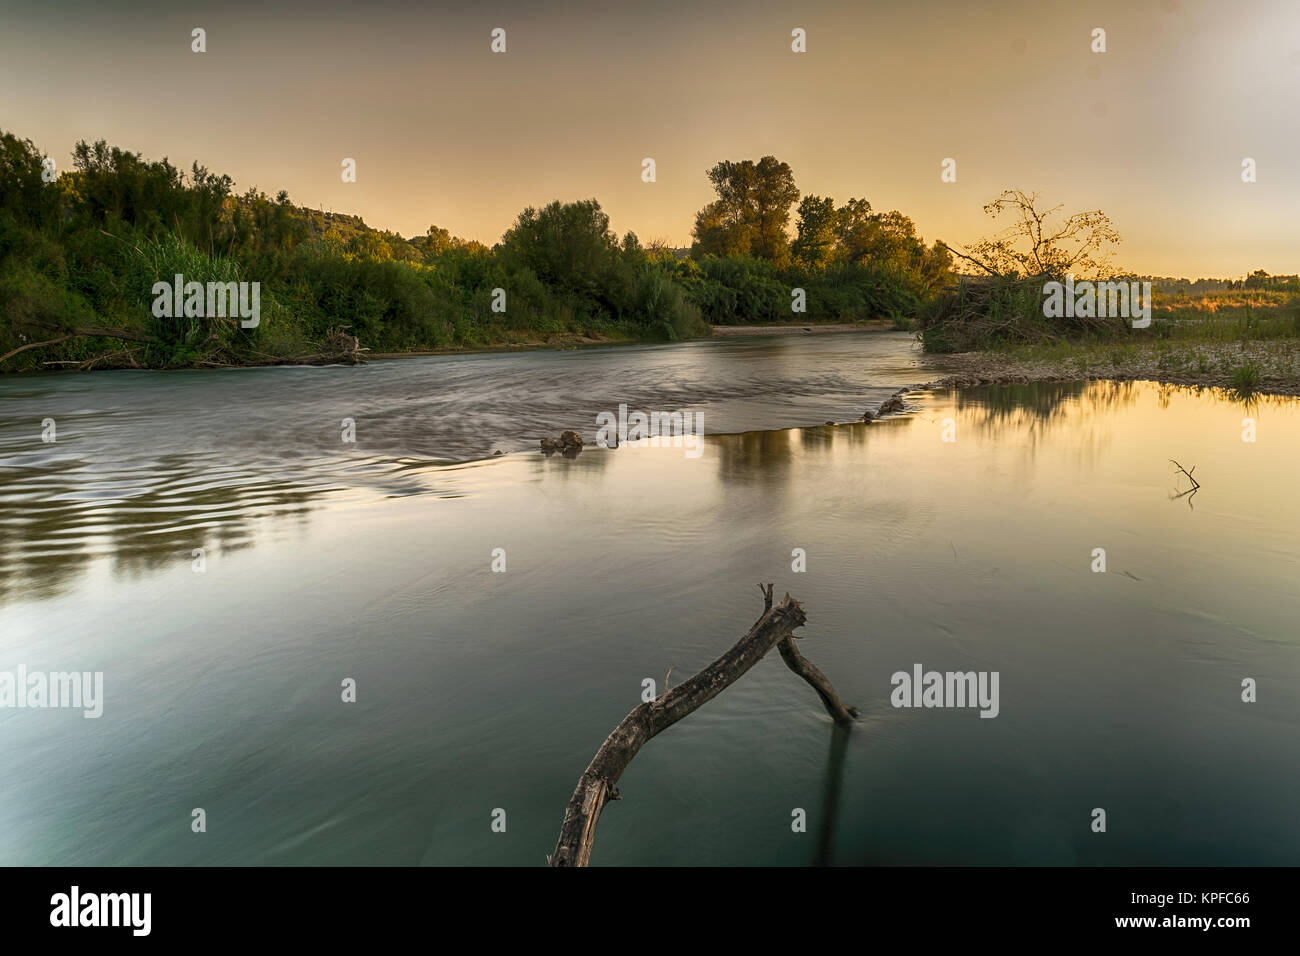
[[445, 132]]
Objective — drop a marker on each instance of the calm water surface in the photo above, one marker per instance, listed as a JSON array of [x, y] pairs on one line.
[[481, 690]]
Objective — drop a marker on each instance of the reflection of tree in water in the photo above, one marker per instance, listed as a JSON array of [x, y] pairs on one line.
[[767, 457], [804, 474], [587, 463], [1028, 412], [1023, 415], [57, 519], [756, 457], [1048, 403], [1251, 401], [832, 438], [44, 544]]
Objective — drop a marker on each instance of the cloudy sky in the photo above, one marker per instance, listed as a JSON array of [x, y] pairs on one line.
[[1153, 131]]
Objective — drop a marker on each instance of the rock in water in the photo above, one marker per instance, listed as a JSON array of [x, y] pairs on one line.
[[892, 405], [569, 444]]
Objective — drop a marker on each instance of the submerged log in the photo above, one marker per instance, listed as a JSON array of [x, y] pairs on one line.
[[597, 785]]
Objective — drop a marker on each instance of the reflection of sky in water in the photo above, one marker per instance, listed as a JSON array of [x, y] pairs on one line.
[[480, 690]]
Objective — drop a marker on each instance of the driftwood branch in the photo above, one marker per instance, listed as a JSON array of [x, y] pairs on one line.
[[1190, 493], [107, 356], [35, 345], [597, 785], [839, 712], [126, 334]]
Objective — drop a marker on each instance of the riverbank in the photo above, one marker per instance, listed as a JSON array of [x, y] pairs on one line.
[[733, 331], [562, 341], [576, 341], [1267, 367], [567, 341]]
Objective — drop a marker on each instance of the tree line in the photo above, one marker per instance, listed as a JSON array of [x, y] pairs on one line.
[[80, 250]]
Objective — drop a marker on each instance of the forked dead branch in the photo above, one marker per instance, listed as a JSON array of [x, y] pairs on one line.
[[1190, 493], [597, 785]]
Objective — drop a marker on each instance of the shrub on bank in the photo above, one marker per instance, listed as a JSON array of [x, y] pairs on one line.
[[983, 312]]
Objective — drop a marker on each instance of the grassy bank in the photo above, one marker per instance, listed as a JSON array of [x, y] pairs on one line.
[[1247, 340]]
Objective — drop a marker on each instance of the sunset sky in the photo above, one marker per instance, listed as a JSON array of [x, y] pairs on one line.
[[1153, 131]]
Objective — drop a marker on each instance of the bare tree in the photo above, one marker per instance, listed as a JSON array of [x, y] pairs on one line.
[[1042, 243]]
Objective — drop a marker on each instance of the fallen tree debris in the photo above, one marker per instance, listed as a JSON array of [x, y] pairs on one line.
[[597, 785]]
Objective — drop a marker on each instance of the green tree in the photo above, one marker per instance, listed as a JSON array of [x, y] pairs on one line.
[[752, 212], [568, 245], [774, 194], [853, 230], [815, 240], [437, 241]]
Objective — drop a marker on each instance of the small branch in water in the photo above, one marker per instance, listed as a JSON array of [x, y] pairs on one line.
[[1190, 492], [1187, 473]]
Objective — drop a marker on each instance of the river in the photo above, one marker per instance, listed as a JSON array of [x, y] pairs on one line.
[[209, 543]]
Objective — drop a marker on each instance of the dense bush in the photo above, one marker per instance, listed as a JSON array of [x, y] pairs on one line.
[[981, 312]]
